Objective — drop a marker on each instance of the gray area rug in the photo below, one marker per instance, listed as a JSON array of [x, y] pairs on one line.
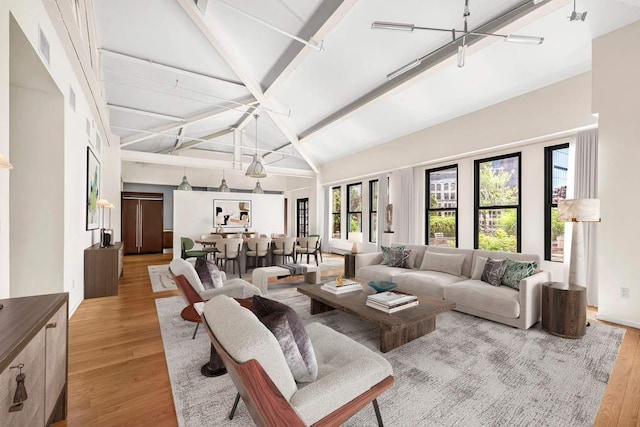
[[161, 279], [469, 372]]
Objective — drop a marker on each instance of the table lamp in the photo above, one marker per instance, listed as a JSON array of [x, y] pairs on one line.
[[578, 211], [355, 237]]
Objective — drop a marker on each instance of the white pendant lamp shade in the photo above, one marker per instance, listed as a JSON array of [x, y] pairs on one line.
[[184, 185], [258, 189], [224, 188], [579, 210], [256, 168], [4, 163]]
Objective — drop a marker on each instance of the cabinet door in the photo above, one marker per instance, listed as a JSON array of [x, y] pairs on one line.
[[56, 357], [130, 226], [151, 211]]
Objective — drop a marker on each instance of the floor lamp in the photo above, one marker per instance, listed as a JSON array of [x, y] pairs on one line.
[[578, 211]]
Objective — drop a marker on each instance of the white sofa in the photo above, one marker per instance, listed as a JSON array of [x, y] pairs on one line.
[[502, 304]]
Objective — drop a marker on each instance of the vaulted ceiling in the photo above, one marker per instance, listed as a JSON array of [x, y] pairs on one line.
[[186, 78]]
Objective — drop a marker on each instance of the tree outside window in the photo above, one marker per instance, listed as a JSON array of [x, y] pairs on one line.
[[442, 216], [354, 208], [336, 206], [556, 170]]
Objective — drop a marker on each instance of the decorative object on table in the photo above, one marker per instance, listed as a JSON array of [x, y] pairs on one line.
[[4, 163], [184, 185], [343, 287], [355, 237], [388, 217], [104, 239], [391, 302], [564, 309], [578, 211], [382, 285], [459, 36], [340, 279], [93, 191], [256, 168], [232, 213], [224, 188]]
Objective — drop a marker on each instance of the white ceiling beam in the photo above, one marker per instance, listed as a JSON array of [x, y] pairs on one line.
[[435, 58], [253, 86], [132, 139], [195, 143], [195, 162], [324, 20], [167, 67], [145, 113]]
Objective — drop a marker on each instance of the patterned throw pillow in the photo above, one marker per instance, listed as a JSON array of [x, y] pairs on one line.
[[385, 253], [516, 271], [208, 273], [286, 326], [399, 258], [493, 271]]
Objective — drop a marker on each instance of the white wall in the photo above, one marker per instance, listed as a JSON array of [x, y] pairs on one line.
[[193, 213], [616, 98], [4, 149]]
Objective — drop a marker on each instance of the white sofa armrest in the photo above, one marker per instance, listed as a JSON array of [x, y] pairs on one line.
[[530, 297], [371, 258], [234, 288]]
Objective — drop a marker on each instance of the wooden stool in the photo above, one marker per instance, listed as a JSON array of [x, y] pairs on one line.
[[564, 309]]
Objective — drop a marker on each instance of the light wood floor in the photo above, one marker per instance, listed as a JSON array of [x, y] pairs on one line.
[[118, 374]]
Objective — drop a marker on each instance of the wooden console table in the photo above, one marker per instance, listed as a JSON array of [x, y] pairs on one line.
[[564, 309], [102, 270]]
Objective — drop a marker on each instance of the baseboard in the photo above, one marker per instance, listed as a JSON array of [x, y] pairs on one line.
[[618, 321]]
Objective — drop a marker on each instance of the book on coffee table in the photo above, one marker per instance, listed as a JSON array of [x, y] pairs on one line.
[[341, 289], [345, 283], [394, 308], [390, 299]]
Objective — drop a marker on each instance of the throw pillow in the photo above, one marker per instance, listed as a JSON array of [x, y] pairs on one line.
[[516, 271], [399, 258], [208, 273], [385, 253], [493, 271], [286, 326], [445, 263], [478, 267]]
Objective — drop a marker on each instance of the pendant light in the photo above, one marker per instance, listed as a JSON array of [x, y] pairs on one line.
[[184, 185], [224, 188], [256, 168], [258, 189]]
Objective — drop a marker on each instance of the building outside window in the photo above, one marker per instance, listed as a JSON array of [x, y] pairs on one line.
[[556, 167], [373, 211], [442, 217], [497, 203], [336, 206], [354, 208]]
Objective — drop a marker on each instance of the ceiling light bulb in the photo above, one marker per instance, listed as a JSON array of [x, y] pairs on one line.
[[514, 38], [398, 26], [403, 69], [462, 50]]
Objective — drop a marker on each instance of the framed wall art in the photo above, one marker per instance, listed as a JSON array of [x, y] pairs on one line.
[[93, 190], [232, 213]]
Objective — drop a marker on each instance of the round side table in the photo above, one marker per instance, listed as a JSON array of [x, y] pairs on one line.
[[564, 309]]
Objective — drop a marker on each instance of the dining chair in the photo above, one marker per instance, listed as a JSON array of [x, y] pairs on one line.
[[209, 247], [284, 247], [309, 246], [257, 248], [186, 249], [319, 244], [231, 250]]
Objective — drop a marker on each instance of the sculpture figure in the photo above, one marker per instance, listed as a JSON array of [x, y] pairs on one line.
[[389, 217]]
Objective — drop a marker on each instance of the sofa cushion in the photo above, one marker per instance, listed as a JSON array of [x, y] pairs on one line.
[[478, 267], [431, 283], [399, 258], [504, 255], [346, 369], [386, 252], [289, 330], [501, 301], [468, 256], [379, 272], [493, 271], [516, 271], [445, 263]]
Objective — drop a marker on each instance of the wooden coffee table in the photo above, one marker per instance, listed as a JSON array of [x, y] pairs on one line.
[[397, 328]]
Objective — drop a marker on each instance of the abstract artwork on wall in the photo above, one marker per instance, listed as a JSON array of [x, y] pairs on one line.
[[93, 190], [232, 213]]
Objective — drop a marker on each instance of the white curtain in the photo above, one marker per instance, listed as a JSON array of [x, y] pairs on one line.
[[586, 187], [405, 209]]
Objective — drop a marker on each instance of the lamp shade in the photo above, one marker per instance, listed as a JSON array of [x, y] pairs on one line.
[[256, 168], [184, 185], [579, 210], [355, 237], [103, 203], [4, 163], [258, 189]]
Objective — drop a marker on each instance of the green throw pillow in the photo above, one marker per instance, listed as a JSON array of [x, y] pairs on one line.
[[386, 250], [516, 271]]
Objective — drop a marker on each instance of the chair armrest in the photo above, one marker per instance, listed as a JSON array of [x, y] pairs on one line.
[[234, 288], [530, 297], [372, 258]]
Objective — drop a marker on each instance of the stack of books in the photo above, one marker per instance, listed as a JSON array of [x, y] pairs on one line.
[[390, 302], [341, 288]]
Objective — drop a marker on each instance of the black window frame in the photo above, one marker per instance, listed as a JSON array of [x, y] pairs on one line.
[[334, 213], [548, 196], [349, 211], [476, 196], [302, 217], [428, 208], [373, 209]]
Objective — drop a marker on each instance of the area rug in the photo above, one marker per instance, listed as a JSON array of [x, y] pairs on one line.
[[161, 279], [468, 372]]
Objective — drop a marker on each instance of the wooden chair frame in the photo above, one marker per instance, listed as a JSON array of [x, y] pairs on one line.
[[188, 313], [269, 408]]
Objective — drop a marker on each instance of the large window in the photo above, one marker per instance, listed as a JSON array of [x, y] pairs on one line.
[[497, 203], [442, 207], [303, 217], [354, 208], [336, 206], [373, 211], [556, 165]]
